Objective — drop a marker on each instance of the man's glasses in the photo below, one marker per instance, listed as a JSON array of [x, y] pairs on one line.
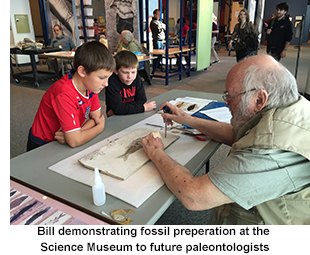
[[228, 98]]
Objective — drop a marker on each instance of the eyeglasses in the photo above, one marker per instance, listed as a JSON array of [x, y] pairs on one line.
[[227, 98]]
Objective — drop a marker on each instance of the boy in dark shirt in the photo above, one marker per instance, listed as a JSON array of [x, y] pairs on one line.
[[125, 93]]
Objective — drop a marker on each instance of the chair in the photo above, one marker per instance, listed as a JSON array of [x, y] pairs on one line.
[[145, 70]]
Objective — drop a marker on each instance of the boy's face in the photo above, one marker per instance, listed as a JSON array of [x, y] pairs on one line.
[[127, 75], [97, 80]]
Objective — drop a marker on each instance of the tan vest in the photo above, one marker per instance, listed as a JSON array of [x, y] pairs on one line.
[[286, 129]]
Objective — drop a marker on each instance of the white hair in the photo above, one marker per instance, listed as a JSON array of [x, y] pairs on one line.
[[279, 83]]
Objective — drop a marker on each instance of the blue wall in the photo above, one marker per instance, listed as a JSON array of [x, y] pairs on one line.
[[296, 8]]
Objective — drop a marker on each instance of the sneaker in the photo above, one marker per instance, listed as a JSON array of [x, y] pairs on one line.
[[216, 62]]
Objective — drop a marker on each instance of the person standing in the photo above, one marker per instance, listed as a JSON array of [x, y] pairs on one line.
[[184, 31], [158, 31], [244, 37], [215, 31], [279, 32], [177, 28]]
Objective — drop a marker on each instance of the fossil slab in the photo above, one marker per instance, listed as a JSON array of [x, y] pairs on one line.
[[124, 156]]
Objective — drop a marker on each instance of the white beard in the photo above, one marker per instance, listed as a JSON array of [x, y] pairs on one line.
[[240, 116]]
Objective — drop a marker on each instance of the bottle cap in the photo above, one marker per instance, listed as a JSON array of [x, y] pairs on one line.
[[98, 179]]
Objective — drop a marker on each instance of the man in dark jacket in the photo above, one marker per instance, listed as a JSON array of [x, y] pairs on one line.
[[280, 32]]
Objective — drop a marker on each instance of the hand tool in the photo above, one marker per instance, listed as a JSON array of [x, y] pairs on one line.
[[166, 109], [197, 135], [153, 125]]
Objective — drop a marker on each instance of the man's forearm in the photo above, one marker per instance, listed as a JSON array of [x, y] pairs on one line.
[[176, 177], [218, 131]]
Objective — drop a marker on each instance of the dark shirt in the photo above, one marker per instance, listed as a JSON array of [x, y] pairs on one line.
[[123, 99], [215, 27], [282, 32], [158, 30]]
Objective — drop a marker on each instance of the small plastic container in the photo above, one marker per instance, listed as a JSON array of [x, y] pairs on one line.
[[98, 189]]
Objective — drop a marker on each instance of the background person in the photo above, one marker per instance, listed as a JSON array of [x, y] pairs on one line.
[[215, 31], [61, 41], [279, 33], [127, 42], [184, 31], [244, 37], [158, 32]]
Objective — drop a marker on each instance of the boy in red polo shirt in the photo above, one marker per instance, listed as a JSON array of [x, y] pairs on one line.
[[70, 111]]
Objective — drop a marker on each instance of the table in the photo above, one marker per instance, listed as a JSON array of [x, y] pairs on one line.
[[34, 75], [176, 52], [30, 169], [68, 55]]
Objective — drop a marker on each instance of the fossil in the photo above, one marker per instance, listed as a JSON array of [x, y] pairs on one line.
[[191, 107], [134, 146]]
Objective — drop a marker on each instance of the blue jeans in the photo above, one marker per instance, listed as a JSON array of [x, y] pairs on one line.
[[160, 46]]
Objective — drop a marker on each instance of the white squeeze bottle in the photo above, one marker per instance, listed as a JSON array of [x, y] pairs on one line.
[[98, 189]]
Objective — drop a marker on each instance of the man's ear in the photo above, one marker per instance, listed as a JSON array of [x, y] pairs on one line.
[[81, 71], [261, 100], [116, 71]]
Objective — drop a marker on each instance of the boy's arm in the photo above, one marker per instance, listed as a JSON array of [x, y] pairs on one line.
[[93, 127], [91, 122], [140, 97]]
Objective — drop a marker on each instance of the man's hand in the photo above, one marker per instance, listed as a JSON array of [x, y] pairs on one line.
[[176, 114], [152, 145], [268, 31], [60, 136], [283, 54]]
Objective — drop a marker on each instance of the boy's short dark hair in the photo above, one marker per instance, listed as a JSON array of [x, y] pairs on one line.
[[282, 6], [126, 59], [93, 56]]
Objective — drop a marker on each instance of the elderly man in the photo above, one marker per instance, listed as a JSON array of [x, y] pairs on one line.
[[127, 42], [266, 177]]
